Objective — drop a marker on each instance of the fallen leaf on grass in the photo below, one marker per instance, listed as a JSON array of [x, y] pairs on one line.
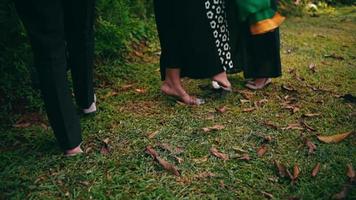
[[127, 87], [249, 109], [316, 170], [201, 160], [244, 101], [213, 128], [334, 138], [221, 109], [281, 169], [105, 149], [170, 148], [178, 159], [288, 88], [262, 150], [311, 146], [311, 115], [312, 67], [218, 154], [245, 157], [267, 139], [292, 108], [165, 164], [350, 172], [85, 183], [260, 102], [140, 90], [307, 126], [270, 124], [267, 195], [296, 172], [152, 134]]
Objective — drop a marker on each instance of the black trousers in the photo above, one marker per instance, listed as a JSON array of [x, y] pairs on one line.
[[61, 36]]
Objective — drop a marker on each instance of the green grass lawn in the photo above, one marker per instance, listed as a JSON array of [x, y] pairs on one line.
[[133, 115]]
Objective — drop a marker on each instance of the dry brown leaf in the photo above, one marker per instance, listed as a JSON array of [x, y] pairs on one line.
[[262, 150], [244, 101], [307, 126], [311, 115], [140, 90], [268, 139], [249, 109], [350, 171], [127, 87], [316, 170], [221, 109], [281, 169], [288, 88], [218, 154], [293, 108], [245, 157], [270, 124], [213, 128], [106, 141], [104, 150], [312, 67], [85, 183], [334, 138], [201, 160], [179, 160], [260, 102], [168, 166], [267, 195], [296, 172], [151, 135], [165, 164], [311, 146]]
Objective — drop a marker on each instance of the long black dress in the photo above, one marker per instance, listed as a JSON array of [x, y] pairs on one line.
[[194, 37], [258, 56]]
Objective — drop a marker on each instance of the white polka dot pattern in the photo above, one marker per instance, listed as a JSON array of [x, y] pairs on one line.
[[217, 19]]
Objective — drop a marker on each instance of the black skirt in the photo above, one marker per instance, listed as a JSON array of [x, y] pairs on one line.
[[194, 36], [258, 56]]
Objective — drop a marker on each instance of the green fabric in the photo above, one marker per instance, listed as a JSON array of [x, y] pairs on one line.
[[254, 11]]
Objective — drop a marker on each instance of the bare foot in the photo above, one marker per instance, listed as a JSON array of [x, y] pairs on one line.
[[222, 80], [259, 83], [73, 152], [180, 94]]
